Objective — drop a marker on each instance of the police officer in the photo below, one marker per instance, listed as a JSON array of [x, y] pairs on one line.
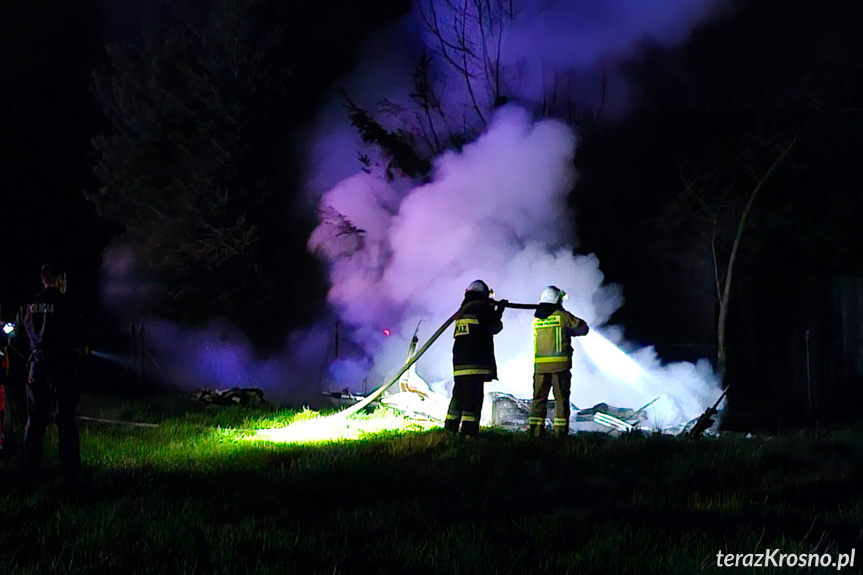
[[553, 328], [51, 385], [473, 357]]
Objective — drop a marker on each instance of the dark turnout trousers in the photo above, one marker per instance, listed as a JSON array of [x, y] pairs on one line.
[[52, 390], [561, 383], [465, 406]]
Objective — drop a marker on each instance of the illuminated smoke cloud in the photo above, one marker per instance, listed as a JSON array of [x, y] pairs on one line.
[[495, 211]]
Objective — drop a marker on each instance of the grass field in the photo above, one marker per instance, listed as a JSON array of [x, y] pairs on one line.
[[194, 495]]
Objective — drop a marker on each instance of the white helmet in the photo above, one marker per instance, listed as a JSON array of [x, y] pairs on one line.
[[552, 294], [480, 287]]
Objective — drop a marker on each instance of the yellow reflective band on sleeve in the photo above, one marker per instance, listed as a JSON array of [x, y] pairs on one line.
[[472, 371], [550, 359]]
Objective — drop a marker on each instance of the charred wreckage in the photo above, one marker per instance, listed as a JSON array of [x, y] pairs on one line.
[[416, 400]]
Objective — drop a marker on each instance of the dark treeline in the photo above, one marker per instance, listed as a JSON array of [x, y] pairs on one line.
[[199, 164], [48, 51], [170, 127], [662, 193]]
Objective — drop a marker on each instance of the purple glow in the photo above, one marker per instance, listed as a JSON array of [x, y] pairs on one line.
[[221, 358], [125, 291]]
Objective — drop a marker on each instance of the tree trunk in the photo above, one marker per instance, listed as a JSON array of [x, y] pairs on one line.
[[724, 294]]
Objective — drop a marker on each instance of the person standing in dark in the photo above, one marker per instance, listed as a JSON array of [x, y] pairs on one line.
[[51, 385], [473, 357]]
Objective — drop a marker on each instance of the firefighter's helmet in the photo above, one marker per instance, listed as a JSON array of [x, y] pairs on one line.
[[480, 287], [552, 294]]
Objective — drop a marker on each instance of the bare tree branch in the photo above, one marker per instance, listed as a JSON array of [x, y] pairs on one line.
[[732, 258]]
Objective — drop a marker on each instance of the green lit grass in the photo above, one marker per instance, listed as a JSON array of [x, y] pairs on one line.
[[195, 495]]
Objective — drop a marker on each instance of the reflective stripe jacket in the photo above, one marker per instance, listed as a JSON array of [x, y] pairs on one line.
[[473, 343], [552, 335]]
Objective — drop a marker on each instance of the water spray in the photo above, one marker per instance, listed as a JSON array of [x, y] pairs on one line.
[[613, 361], [608, 358], [121, 360]]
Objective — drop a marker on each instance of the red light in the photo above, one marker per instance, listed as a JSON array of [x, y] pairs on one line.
[[387, 332]]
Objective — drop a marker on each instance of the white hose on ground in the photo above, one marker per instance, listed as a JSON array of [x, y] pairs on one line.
[[377, 393]]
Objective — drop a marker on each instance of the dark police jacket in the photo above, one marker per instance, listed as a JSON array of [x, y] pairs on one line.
[[473, 345], [48, 321]]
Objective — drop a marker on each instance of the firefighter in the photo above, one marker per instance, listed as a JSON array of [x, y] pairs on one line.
[[553, 329], [51, 384], [473, 357]]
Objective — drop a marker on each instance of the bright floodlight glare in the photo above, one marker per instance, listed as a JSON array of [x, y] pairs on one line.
[[333, 428], [8, 328]]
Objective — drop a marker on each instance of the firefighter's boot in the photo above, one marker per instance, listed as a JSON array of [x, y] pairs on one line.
[[470, 425], [561, 427], [451, 423]]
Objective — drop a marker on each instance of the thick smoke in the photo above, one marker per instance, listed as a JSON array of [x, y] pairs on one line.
[[495, 211], [403, 252], [578, 33], [220, 357], [553, 53]]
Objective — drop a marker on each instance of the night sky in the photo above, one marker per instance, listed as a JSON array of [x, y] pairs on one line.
[[656, 98]]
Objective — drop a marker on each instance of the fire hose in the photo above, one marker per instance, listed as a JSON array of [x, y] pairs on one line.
[[379, 391]]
